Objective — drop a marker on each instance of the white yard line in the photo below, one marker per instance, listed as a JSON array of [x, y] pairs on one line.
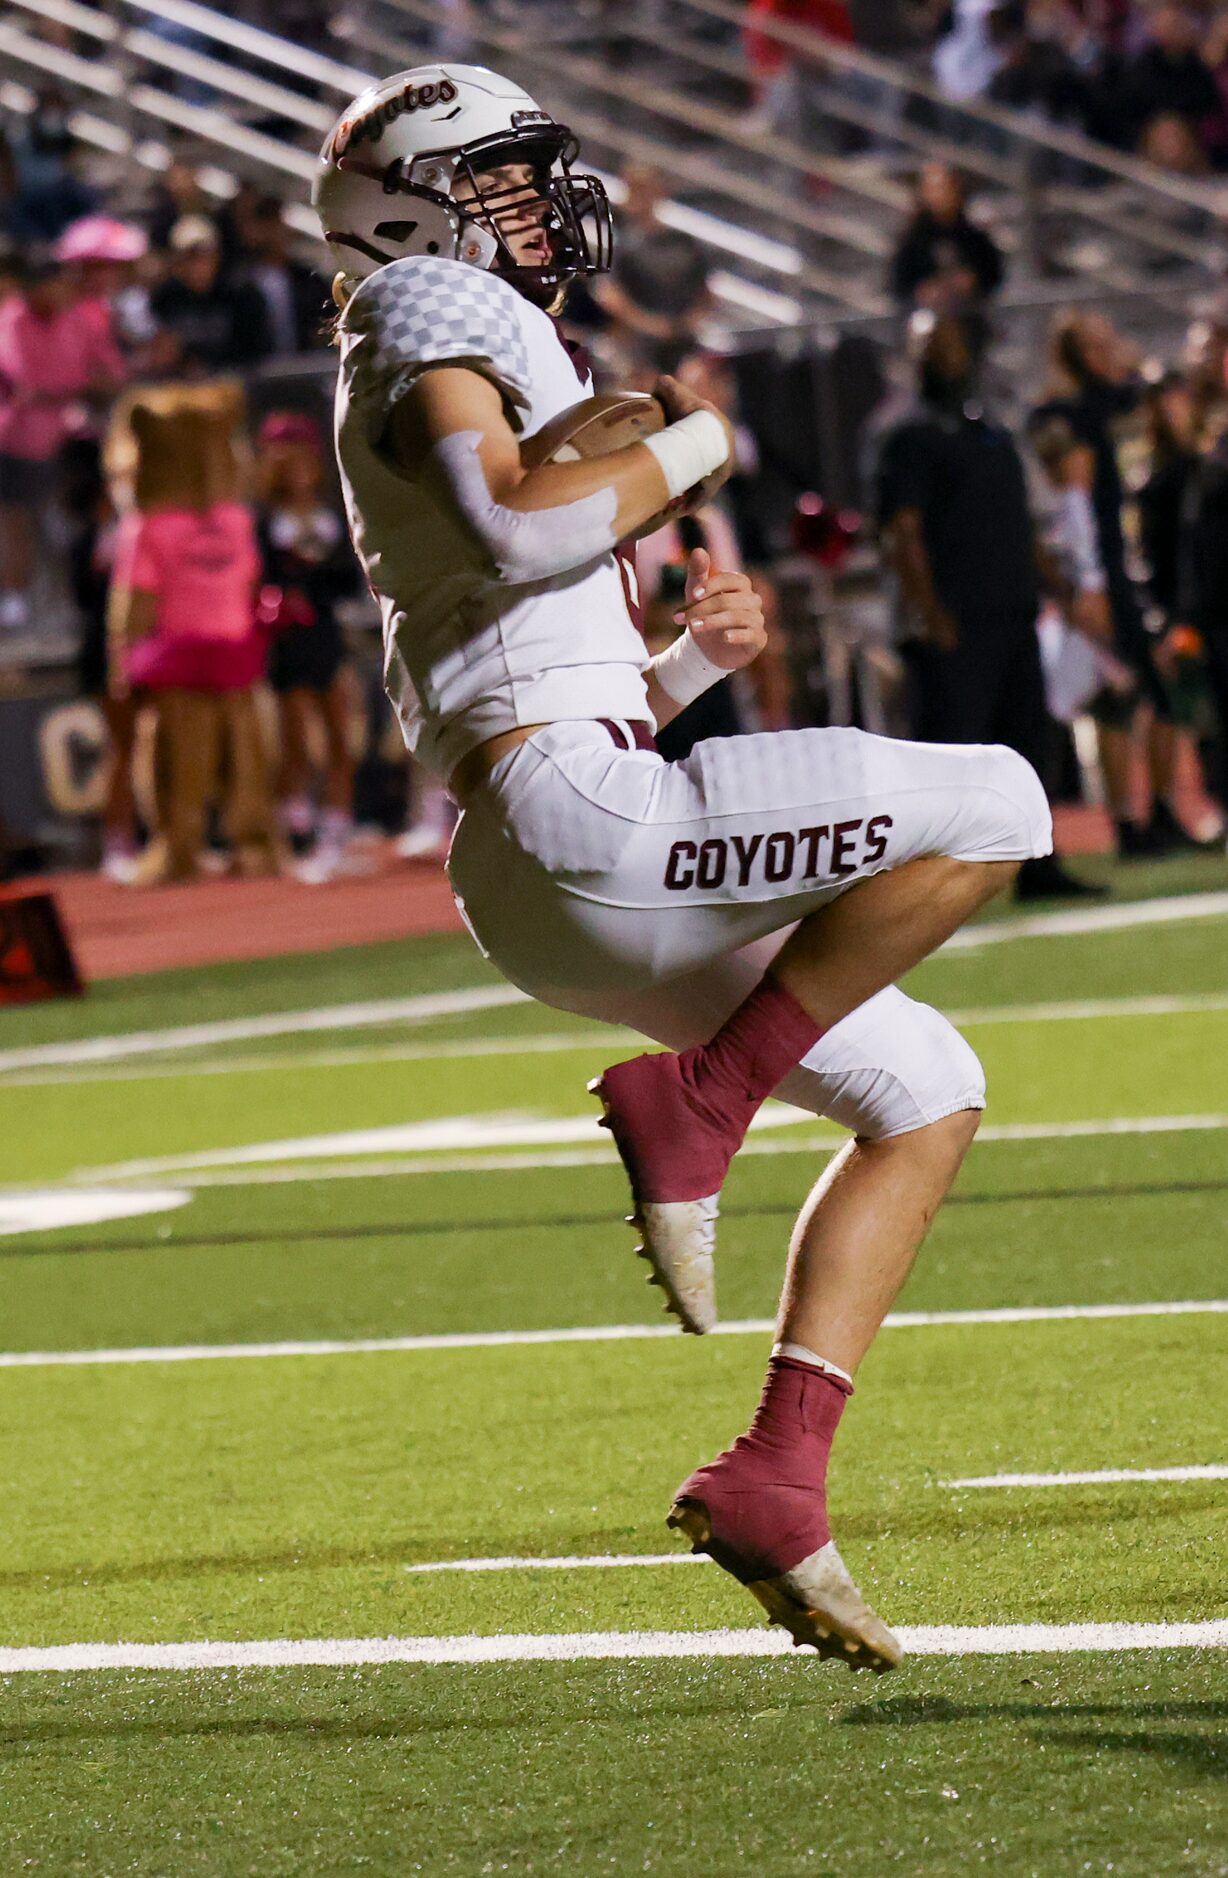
[[584, 1333], [570, 1042], [575, 1042], [1171, 910], [1176, 909], [526, 1128], [276, 1024], [543, 1043], [571, 1647], [59, 1207], [599, 1155], [1107, 1476]]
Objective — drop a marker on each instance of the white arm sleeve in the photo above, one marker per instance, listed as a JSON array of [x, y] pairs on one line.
[[530, 544]]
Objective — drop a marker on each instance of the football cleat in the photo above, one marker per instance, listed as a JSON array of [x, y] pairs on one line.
[[816, 1601], [676, 1163]]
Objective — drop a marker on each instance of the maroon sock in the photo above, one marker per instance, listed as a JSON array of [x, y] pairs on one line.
[[766, 1495], [800, 1408], [751, 1053]]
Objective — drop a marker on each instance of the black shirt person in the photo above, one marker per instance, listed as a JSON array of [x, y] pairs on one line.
[[214, 324], [952, 503], [944, 261]]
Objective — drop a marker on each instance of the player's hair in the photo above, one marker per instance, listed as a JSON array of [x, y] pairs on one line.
[[341, 290]]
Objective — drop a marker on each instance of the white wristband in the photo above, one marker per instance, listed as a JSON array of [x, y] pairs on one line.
[[690, 450], [683, 671]]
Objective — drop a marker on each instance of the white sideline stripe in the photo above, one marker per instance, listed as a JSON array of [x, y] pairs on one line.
[[592, 1645], [1171, 910], [598, 1561], [59, 1207], [539, 1043], [276, 1024], [583, 1333], [1161, 912], [601, 1156], [576, 1042], [495, 1128], [1107, 1476]]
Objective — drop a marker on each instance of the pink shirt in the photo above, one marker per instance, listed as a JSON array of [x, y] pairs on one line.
[[202, 566], [46, 366]]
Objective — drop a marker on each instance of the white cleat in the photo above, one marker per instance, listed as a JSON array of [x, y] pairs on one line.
[[817, 1602], [679, 1242], [677, 1238]]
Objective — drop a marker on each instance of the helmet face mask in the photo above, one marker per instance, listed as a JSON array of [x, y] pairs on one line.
[[396, 181], [573, 210]]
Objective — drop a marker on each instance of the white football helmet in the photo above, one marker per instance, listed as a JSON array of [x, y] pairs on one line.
[[388, 166]]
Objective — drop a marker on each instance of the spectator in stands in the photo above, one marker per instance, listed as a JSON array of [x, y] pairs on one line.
[[212, 324], [1163, 503], [46, 192], [952, 502], [1171, 143], [1172, 461], [53, 355], [894, 29], [970, 54], [1202, 596], [1168, 75], [1093, 385], [308, 565], [101, 256], [296, 299], [944, 261], [1045, 47], [177, 193], [657, 293], [1215, 57], [1205, 365]]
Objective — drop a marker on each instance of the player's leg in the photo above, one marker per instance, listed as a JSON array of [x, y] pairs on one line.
[[678, 1120], [903, 1079]]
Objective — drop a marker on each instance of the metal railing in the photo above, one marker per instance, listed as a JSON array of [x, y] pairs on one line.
[[797, 235]]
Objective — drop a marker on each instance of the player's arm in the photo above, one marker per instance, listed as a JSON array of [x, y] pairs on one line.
[[543, 521], [724, 630]]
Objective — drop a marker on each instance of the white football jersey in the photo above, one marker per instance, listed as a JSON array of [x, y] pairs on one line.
[[468, 654]]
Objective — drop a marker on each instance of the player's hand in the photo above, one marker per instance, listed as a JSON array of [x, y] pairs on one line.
[[723, 614], [678, 400]]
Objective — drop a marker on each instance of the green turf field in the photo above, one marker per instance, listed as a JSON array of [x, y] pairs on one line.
[[426, 1174]]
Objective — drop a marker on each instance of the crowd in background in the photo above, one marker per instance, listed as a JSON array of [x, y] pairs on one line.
[[1073, 568]]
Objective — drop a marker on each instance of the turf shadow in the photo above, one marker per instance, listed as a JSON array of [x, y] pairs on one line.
[[907, 1711]]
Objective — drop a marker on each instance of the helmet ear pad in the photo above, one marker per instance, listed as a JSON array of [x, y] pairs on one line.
[[437, 223]]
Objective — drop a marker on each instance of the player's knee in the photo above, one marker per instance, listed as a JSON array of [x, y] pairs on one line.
[[927, 1072], [1023, 807], [957, 1077]]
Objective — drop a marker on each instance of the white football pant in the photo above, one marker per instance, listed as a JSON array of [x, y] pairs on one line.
[[605, 881]]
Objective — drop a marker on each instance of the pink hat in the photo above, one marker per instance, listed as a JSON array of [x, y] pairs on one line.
[[101, 238], [289, 427]]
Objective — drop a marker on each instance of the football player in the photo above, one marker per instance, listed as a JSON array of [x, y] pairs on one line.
[[752, 907]]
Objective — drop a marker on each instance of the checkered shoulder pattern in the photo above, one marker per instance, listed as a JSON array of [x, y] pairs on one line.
[[423, 310]]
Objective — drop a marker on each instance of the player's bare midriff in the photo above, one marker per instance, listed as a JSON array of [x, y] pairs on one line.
[[475, 766]]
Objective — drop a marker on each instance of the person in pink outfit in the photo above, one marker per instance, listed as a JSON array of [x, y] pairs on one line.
[[182, 624], [54, 356]]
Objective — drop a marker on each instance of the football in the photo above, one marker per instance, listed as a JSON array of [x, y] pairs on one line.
[[610, 421]]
